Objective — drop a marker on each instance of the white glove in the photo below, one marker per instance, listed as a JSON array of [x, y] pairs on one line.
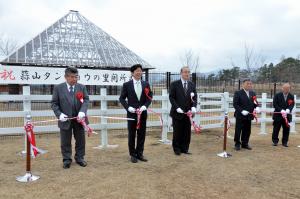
[[131, 109], [63, 117], [143, 108], [81, 115], [193, 109], [287, 111], [283, 111], [244, 113], [179, 110], [257, 110]]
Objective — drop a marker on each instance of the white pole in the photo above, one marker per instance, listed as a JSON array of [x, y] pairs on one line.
[[104, 137], [263, 114], [293, 123], [165, 117], [27, 111]]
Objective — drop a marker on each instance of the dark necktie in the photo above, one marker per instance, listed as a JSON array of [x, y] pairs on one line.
[[185, 87], [71, 90], [285, 96]]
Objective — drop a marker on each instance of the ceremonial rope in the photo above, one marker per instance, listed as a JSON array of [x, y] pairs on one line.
[[193, 123], [284, 116]]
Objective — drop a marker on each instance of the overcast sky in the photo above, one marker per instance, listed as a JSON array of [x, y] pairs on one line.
[[161, 31]]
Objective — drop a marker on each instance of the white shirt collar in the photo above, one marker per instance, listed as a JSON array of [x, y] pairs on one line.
[[68, 85], [183, 81], [135, 81], [247, 92]]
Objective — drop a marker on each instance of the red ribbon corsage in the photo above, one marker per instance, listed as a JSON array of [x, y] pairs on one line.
[[255, 100], [147, 92], [290, 102], [79, 96]]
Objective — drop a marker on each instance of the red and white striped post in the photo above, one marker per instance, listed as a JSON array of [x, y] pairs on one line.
[[28, 177]]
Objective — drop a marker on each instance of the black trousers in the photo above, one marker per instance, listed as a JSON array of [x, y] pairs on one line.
[[242, 132], [138, 148], [285, 133], [181, 134], [66, 142]]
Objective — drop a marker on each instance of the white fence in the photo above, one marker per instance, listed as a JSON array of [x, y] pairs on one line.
[[212, 107]]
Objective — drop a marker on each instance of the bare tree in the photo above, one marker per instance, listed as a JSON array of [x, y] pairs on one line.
[[7, 45], [191, 60], [252, 59]]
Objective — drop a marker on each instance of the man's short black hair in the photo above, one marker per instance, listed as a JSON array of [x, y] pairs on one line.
[[136, 66], [246, 80], [71, 70]]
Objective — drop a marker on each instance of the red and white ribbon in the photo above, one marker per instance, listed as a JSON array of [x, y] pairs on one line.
[[159, 116], [193, 123], [138, 113], [31, 138], [254, 98], [284, 116], [88, 129]]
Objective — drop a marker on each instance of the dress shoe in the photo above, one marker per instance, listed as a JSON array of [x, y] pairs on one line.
[[237, 147], [142, 158], [82, 163], [66, 165], [133, 159], [177, 152], [274, 144], [247, 147], [285, 145]]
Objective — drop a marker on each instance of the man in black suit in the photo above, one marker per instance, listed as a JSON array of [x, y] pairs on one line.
[[244, 102], [283, 102], [180, 98], [65, 103], [139, 97]]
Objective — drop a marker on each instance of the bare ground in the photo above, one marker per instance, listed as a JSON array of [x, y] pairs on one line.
[[264, 172]]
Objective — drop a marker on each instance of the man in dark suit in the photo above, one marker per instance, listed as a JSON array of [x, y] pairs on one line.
[[65, 103], [182, 101], [139, 97], [244, 103], [283, 102]]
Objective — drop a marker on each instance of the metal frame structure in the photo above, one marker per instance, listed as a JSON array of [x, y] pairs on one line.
[[74, 40]]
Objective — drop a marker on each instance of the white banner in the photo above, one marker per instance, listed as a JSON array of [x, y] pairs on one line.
[[44, 75]]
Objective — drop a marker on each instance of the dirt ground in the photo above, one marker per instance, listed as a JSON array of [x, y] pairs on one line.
[[264, 172]]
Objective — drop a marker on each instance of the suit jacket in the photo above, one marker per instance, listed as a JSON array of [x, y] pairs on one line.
[[279, 103], [241, 102], [62, 102], [180, 99], [128, 93]]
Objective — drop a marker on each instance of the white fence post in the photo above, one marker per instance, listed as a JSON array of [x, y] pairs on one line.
[[225, 107], [293, 123], [104, 137], [165, 117], [226, 102], [263, 114], [199, 107], [27, 111]]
